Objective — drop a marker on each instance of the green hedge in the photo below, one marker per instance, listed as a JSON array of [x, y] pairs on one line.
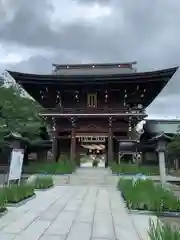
[[16, 193], [145, 195], [43, 182], [159, 231], [134, 169], [51, 168]]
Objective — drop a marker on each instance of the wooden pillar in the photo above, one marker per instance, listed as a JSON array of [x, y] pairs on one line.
[[54, 141], [110, 142], [73, 141], [176, 164], [55, 148]]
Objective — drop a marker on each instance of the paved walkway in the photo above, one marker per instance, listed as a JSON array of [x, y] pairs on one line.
[[73, 213], [92, 211]]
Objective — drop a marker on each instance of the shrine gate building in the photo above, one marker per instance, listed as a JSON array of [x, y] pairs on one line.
[[93, 107]]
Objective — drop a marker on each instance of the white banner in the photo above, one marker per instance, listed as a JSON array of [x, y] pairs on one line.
[[16, 164]]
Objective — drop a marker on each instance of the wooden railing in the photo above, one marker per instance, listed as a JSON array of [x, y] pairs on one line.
[[89, 110]]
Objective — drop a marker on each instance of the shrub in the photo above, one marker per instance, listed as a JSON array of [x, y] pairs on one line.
[[159, 231], [145, 195], [134, 169], [16, 193], [43, 182], [52, 168], [3, 201]]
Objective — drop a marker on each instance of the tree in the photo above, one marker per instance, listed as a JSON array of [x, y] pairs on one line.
[[174, 149], [174, 145], [19, 114]]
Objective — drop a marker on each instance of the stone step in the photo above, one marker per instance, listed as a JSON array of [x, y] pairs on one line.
[[88, 176]]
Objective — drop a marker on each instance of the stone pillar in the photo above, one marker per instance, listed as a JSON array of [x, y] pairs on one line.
[[73, 141], [110, 142], [161, 155]]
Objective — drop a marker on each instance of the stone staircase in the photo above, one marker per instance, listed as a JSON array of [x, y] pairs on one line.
[[88, 176]]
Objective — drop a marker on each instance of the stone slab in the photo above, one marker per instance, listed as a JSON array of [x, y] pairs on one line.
[[141, 223], [62, 224], [34, 231], [7, 236], [80, 231], [52, 237], [103, 226], [17, 226]]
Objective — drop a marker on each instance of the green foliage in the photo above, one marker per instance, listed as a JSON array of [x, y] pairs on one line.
[[145, 195], [174, 146], [43, 182], [51, 168], [3, 200], [16, 193], [159, 231], [134, 169], [18, 114]]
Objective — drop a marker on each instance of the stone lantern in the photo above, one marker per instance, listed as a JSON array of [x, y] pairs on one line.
[[161, 141]]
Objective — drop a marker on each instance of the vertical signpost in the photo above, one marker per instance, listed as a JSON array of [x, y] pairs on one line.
[[16, 164], [16, 143]]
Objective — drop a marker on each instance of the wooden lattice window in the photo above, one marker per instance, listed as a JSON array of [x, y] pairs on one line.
[[92, 100]]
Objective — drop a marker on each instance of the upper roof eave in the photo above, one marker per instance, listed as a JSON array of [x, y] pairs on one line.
[[19, 76]]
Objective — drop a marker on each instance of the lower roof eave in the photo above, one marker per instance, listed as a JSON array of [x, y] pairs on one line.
[[91, 114]]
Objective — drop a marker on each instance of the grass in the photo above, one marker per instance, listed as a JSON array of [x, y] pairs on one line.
[[51, 168], [161, 231], [145, 195], [134, 169], [43, 182], [16, 193]]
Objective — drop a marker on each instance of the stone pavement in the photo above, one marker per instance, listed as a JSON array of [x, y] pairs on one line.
[[88, 176], [73, 213]]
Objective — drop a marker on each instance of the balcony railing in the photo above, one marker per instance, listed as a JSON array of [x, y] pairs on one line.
[[90, 110]]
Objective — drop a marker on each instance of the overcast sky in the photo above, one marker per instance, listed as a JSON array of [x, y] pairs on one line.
[[34, 34]]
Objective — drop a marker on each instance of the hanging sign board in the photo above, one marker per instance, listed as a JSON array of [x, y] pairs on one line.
[[92, 139], [16, 164]]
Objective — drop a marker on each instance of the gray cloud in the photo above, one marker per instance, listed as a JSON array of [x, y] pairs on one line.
[[101, 2], [139, 36], [147, 31]]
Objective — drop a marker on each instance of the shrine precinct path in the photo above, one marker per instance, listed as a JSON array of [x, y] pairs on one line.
[[74, 213]]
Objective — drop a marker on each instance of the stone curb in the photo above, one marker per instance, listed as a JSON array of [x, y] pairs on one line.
[[159, 214], [52, 175], [45, 189], [21, 202]]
